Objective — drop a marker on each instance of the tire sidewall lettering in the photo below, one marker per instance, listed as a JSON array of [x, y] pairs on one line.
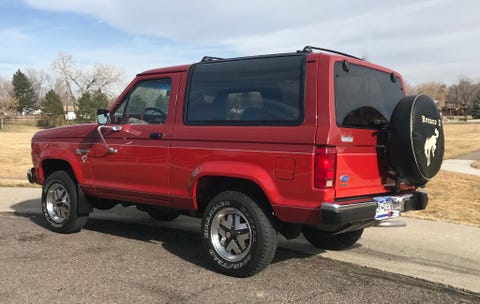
[[211, 215], [229, 265]]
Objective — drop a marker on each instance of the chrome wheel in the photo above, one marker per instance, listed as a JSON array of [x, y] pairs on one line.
[[231, 234], [58, 203], [237, 235]]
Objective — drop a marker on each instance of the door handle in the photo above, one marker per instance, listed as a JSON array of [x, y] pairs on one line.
[[156, 135]]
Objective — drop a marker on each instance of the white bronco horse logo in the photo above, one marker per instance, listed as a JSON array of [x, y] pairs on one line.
[[430, 147]]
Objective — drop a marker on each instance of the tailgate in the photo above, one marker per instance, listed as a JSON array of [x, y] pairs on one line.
[[364, 100], [360, 171]]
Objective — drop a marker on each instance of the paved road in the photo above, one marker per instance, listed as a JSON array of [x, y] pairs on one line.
[[125, 257], [115, 262]]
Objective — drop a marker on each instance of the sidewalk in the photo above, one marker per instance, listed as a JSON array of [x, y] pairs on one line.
[[462, 164], [28, 197]]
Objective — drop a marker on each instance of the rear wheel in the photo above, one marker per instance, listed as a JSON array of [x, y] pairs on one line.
[[238, 237], [60, 203], [333, 242]]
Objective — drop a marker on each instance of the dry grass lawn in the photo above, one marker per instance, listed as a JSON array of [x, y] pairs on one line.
[[15, 158], [476, 165], [453, 197], [461, 139]]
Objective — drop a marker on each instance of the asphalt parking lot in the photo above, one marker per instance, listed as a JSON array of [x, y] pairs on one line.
[[137, 261]]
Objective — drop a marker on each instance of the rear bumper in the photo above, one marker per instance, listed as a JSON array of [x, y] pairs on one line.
[[346, 213]]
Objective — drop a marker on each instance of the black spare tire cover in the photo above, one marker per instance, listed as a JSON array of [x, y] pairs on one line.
[[416, 144]]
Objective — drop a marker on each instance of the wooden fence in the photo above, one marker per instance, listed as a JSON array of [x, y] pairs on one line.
[[18, 119]]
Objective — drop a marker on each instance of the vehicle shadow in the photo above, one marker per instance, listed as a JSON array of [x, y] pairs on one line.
[[180, 237]]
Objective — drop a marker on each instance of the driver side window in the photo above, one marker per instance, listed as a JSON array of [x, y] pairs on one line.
[[147, 103]]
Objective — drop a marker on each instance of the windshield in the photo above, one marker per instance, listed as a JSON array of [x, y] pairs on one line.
[[364, 97]]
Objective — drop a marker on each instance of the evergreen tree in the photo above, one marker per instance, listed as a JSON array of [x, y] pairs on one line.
[[23, 91], [476, 108], [88, 104], [52, 111]]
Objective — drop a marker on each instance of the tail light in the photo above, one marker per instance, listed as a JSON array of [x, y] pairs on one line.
[[325, 158]]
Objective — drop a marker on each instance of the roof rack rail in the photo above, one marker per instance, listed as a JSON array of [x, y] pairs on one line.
[[209, 58], [309, 49]]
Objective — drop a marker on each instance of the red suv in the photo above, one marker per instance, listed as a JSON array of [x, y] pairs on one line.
[[315, 141]]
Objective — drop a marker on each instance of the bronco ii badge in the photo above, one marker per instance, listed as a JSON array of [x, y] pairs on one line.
[[430, 147]]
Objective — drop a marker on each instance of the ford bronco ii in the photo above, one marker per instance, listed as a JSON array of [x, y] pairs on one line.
[[315, 142]]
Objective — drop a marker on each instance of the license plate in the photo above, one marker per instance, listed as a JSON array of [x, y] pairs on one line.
[[384, 207]]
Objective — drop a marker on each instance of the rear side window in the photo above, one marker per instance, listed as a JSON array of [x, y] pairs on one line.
[[254, 91], [363, 96]]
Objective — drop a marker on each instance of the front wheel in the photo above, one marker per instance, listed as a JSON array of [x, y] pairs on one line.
[[333, 242], [60, 203], [238, 237]]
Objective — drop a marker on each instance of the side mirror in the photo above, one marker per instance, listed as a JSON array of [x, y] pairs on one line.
[[103, 116]]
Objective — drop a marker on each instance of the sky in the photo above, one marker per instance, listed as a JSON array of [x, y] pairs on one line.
[[424, 40]]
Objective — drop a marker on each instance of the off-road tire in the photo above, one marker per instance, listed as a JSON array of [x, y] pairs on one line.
[[332, 242], [60, 203], [238, 236]]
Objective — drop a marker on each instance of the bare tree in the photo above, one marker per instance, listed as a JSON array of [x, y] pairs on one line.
[[8, 103], [463, 93], [78, 80], [58, 85], [436, 90], [40, 82]]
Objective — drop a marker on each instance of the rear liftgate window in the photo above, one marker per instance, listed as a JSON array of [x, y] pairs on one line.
[[255, 91], [364, 97]]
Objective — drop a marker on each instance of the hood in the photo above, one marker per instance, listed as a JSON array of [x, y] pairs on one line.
[[73, 131]]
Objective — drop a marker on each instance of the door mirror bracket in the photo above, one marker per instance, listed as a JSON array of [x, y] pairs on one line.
[[114, 129]]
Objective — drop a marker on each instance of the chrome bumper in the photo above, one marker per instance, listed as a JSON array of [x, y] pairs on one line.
[[347, 213]]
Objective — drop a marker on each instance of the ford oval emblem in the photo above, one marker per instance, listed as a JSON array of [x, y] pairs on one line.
[[344, 178]]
